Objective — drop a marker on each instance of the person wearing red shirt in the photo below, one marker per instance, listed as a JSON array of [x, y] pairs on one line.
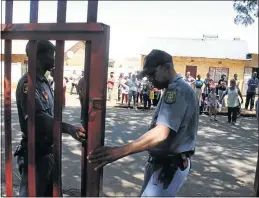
[[110, 85]]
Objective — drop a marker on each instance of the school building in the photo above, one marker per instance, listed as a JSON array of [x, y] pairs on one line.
[[208, 54]]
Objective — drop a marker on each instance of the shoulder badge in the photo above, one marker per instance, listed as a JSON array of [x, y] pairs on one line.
[[46, 95], [170, 97], [25, 88]]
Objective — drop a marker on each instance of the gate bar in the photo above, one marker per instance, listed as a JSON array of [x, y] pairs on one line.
[[7, 104], [97, 94], [58, 78], [85, 109], [34, 4], [92, 11]]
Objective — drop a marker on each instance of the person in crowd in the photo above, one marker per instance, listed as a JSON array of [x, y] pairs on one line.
[[110, 85], [121, 77], [251, 91], [64, 89], [233, 102], [140, 88], [133, 88], [124, 90], [157, 94], [206, 90], [146, 99], [198, 85], [207, 82], [212, 99], [237, 81], [189, 79], [237, 85], [74, 82], [222, 86]]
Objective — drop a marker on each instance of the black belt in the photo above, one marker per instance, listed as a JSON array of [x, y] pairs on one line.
[[169, 165]]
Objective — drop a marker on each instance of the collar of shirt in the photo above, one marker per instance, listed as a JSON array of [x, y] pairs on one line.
[[175, 78], [41, 77]]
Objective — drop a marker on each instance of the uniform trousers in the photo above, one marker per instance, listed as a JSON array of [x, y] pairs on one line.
[[153, 188], [44, 176]]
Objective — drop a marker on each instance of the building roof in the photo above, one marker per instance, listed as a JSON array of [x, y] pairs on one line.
[[208, 48], [18, 46]]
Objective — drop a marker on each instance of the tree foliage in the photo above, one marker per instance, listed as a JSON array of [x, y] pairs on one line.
[[247, 12]]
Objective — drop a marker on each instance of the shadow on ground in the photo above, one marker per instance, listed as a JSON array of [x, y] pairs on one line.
[[224, 163]]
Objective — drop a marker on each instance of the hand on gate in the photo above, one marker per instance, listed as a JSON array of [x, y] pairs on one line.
[[79, 135], [105, 155]]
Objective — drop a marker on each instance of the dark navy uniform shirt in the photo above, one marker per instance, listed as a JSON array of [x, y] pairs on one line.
[[44, 111]]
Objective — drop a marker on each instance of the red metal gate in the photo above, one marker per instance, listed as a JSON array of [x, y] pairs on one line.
[[97, 37]]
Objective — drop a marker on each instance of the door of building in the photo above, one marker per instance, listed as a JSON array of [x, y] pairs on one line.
[[192, 70]]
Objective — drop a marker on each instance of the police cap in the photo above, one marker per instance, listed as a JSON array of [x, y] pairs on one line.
[[153, 60], [42, 46]]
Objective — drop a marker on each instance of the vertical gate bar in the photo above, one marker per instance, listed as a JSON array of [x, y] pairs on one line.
[[256, 182], [58, 78], [97, 94], [106, 62], [85, 116], [7, 104], [34, 10], [92, 11], [31, 100]]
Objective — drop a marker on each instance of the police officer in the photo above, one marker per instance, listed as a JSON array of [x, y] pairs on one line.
[[44, 103], [171, 138], [80, 93]]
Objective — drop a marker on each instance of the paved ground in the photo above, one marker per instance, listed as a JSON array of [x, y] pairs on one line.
[[224, 163]]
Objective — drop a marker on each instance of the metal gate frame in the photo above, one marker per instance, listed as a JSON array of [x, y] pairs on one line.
[[97, 37]]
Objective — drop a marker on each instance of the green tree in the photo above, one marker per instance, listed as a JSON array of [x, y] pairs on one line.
[[247, 12]]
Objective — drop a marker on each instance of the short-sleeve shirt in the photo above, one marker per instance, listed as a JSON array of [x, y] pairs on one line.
[[232, 97], [222, 84], [181, 116], [252, 85], [198, 84], [133, 85]]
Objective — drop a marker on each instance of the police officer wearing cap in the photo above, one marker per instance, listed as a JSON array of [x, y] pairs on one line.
[[44, 117], [171, 138]]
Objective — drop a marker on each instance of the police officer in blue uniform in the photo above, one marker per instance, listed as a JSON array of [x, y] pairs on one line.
[[44, 117], [171, 138]]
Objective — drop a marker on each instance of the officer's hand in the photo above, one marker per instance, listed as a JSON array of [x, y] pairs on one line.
[[242, 101], [79, 135], [105, 155]]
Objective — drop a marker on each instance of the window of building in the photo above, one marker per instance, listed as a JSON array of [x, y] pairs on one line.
[[216, 72]]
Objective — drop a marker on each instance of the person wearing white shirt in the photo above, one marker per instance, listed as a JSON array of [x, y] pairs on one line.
[[133, 90], [233, 104]]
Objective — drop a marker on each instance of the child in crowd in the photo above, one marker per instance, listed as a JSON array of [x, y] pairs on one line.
[[212, 99], [124, 90]]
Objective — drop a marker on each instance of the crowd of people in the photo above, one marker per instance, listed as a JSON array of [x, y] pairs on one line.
[[73, 79], [211, 95], [132, 90]]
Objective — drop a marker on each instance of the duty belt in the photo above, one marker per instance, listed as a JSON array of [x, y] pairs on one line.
[[169, 165]]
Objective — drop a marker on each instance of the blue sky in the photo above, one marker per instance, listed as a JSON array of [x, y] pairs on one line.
[[133, 21]]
